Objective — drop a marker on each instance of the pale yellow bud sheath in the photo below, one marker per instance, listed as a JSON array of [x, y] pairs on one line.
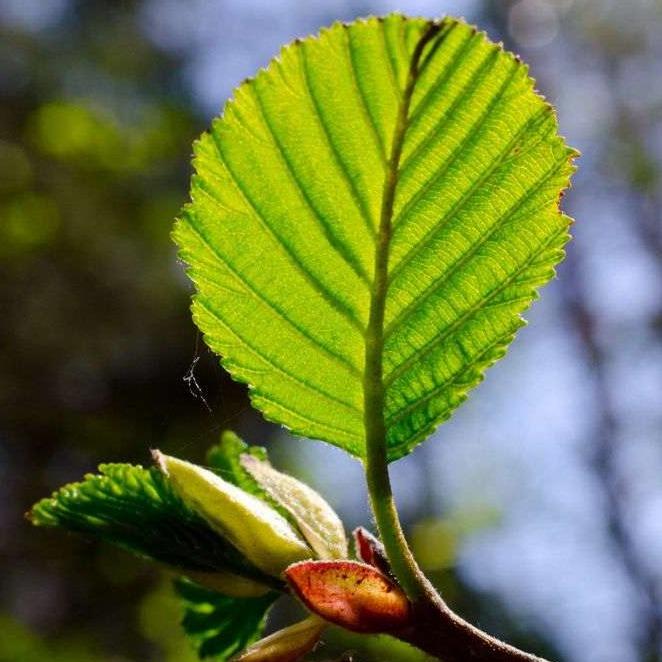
[[228, 583], [315, 518], [287, 645], [259, 532]]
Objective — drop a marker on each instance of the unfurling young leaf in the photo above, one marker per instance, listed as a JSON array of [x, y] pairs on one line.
[[354, 595], [137, 509], [228, 583], [315, 518], [403, 215], [255, 529], [287, 645]]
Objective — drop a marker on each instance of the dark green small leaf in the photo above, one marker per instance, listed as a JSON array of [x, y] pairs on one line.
[[220, 626], [224, 460]]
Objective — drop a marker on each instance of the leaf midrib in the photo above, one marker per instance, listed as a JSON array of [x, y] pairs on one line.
[[373, 383]]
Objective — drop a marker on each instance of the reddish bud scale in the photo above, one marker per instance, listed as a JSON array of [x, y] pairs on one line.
[[353, 595], [371, 551]]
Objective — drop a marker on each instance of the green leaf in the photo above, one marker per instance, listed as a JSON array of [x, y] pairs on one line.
[[248, 467], [137, 509], [369, 218], [224, 459], [219, 626]]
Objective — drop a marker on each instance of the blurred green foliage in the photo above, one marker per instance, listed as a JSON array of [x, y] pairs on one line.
[[160, 609], [17, 642], [95, 136]]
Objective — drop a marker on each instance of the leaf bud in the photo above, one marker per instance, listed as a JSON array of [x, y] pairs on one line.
[[371, 551], [315, 518], [253, 527], [287, 645], [353, 595]]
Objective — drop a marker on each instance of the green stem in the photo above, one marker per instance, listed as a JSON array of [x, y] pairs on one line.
[[435, 628], [400, 556], [379, 485]]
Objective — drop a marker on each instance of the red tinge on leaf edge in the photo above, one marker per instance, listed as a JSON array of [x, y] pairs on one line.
[[353, 595]]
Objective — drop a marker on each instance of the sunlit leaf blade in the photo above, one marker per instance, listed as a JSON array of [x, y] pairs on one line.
[[137, 509], [294, 183], [221, 627]]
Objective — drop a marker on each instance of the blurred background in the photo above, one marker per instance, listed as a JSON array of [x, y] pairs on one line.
[[537, 509]]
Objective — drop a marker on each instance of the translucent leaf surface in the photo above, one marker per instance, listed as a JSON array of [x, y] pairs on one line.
[[221, 627], [369, 218]]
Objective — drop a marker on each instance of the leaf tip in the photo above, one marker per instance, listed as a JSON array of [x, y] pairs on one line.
[[159, 460]]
